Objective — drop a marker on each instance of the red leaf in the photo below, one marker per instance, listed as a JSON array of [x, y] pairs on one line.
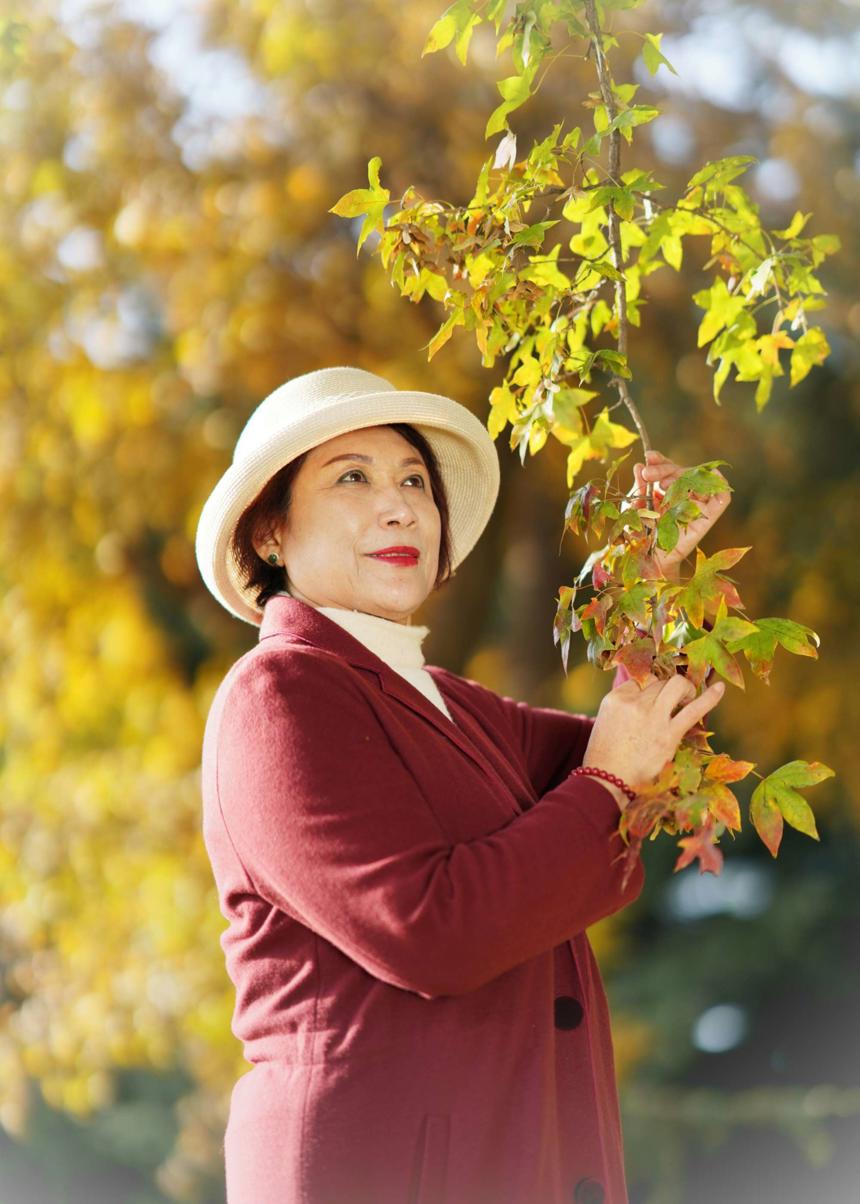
[[600, 577], [767, 821], [628, 860], [637, 658], [701, 845]]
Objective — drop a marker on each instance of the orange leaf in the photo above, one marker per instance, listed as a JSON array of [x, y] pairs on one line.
[[723, 769]]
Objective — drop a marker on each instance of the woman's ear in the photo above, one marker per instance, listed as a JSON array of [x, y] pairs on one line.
[[266, 545]]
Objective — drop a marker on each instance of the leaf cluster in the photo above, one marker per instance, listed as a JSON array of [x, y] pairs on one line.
[[545, 266]]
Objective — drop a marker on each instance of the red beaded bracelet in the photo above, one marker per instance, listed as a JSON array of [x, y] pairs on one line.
[[609, 777]]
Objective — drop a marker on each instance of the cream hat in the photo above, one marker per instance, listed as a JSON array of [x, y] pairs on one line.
[[316, 406]]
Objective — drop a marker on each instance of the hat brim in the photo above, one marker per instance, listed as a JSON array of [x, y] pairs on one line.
[[464, 449]]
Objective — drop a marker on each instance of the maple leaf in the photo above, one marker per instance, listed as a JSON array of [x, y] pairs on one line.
[[724, 806], [767, 820], [637, 658], [722, 768], [703, 586], [759, 646], [702, 845], [710, 649], [775, 800], [628, 859]]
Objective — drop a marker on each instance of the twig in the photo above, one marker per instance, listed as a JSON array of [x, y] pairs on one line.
[[614, 232]]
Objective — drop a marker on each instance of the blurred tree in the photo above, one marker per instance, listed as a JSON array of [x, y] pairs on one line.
[[169, 259]]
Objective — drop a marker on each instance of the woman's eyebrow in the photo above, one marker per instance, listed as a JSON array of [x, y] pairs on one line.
[[369, 459]]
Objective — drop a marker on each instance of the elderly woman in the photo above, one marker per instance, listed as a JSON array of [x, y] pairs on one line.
[[407, 861]]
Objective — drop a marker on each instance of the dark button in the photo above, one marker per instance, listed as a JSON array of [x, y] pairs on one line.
[[588, 1191], [568, 1014]]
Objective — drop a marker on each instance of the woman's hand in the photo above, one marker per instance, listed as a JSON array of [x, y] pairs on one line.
[[638, 728], [661, 472]]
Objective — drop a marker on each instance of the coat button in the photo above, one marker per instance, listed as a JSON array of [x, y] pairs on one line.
[[568, 1014], [588, 1191]]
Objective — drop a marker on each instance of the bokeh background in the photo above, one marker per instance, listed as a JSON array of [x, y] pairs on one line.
[[167, 259]]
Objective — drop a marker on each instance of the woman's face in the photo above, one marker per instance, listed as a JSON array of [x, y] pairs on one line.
[[353, 497]]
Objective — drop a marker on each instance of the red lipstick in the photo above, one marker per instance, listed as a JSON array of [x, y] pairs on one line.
[[402, 555]]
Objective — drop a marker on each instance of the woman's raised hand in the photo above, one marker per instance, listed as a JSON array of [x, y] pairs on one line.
[[638, 728]]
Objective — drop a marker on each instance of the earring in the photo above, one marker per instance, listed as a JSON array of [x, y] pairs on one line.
[[273, 558]]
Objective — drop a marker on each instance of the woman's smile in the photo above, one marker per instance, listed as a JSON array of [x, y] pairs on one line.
[[402, 556]]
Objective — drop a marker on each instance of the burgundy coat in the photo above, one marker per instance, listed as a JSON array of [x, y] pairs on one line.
[[407, 901]]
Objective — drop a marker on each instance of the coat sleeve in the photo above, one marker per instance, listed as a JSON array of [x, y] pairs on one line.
[[331, 827], [553, 742]]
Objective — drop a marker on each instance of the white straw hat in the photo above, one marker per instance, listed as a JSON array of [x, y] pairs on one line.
[[315, 407]]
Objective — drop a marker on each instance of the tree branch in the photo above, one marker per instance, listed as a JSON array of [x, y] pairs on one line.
[[605, 80]]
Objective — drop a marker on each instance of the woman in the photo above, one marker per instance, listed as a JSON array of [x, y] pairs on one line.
[[407, 861]]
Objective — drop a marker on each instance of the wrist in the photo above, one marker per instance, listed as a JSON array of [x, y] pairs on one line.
[[621, 791]]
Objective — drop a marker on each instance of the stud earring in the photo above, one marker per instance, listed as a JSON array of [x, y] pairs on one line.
[[273, 558]]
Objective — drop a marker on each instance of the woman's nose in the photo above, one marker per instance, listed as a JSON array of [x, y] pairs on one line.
[[394, 507]]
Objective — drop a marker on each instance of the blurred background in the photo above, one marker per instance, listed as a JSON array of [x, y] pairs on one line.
[[167, 259]]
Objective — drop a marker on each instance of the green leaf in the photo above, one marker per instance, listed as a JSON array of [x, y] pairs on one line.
[[827, 244], [635, 115], [704, 587], [515, 91], [810, 349], [566, 404], [777, 793], [634, 601], [709, 650], [458, 20], [763, 389], [442, 32], [371, 201], [760, 647], [668, 532], [722, 309], [461, 46], [795, 226], [653, 56], [545, 271], [443, 334], [533, 236], [721, 171]]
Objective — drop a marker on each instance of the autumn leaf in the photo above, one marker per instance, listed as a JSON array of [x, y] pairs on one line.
[[709, 652], [722, 768], [759, 646], [701, 847], [636, 657], [766, 818], [370, 201], [724, 806], [653, 56], [775, 799], [702, 588]]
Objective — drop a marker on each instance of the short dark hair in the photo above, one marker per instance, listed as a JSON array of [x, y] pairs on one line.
[[271, 506]]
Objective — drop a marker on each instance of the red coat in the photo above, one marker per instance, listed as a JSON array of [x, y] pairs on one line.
[[407, 901]]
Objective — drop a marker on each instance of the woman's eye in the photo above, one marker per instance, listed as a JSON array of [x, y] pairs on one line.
[[352, 472], [416, 476]]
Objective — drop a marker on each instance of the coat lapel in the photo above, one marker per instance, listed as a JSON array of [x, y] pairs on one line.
[[286, 616]]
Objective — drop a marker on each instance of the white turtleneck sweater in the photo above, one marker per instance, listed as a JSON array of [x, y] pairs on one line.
[[398, 644]]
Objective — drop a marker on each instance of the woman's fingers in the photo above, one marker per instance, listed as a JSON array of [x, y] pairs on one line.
[[676, 690], [695, 710]]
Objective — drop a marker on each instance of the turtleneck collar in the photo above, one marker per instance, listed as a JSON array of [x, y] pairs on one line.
[[398, 644]]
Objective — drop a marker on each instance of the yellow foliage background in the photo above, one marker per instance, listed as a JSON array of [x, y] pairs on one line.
[[165, 265]]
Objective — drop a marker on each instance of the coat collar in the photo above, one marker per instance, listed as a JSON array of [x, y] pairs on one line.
[[301, 622]]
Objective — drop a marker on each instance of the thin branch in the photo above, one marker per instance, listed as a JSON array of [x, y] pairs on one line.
[[614, 231]]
